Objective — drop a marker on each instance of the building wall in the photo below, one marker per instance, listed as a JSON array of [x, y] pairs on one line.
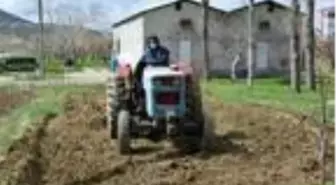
[[227, 36], [276, 36], [319, 22], [165, 24], [325, 22], [129, 38]]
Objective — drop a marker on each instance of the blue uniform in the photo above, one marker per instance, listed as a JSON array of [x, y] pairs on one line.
[[158, 56], [154, 57]]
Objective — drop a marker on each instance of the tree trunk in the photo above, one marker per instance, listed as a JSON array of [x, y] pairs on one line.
[[251, 50], [233, 68], [295, 48], [310, 46], [206, 38]]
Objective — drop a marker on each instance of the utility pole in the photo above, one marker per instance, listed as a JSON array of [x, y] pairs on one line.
[[205, 4], [310, 46], [41, 39], [295, 48], [251, 44]]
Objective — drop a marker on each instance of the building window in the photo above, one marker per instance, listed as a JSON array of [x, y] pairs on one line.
[[264, 26], [185, 23], [331, 15], [178, 6]]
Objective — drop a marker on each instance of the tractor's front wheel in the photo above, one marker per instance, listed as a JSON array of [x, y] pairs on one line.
[[115, 91], [124, 137]]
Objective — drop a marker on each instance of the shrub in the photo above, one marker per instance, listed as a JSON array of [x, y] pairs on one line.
[[54, 65], [88, 61]]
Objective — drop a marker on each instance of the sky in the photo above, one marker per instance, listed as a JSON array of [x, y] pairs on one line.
[[105, 12]]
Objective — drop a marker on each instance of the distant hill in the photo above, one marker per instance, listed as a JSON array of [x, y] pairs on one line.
[[13, 24], [17, 33], [8, 20]]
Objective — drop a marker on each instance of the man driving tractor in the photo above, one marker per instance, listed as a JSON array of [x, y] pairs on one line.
[[155, 55]]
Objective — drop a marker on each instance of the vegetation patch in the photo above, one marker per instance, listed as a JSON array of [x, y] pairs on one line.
[[270, 92], [48, 100]]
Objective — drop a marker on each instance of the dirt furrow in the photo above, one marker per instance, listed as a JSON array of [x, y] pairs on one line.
[[252, 145]]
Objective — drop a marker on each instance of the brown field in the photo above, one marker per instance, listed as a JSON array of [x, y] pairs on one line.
[[252, 145]]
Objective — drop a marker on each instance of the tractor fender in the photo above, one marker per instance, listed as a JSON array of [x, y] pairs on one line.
[[124, 70], [186, 68], [188, 71]]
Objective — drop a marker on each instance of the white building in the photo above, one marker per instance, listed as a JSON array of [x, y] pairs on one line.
[[179, 27], [325, 22]]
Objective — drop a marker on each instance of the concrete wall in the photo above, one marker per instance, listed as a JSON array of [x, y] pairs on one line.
[[277, 36], [131, 38], [319, 23], [325, 24], [165, 23], [227, 35]]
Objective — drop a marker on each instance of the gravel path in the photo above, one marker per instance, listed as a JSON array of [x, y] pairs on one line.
[[86, 77]]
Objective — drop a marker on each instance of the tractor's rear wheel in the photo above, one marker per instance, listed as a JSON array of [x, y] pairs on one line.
[[191, 140], [115, 91], [199, 113], [124, 138], [193, 101]]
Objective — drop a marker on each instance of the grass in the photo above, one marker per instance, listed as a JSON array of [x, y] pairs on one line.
[[49, 100], [56, 66], [269, 92]]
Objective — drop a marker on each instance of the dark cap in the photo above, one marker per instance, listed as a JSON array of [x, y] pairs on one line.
[[153, 38]]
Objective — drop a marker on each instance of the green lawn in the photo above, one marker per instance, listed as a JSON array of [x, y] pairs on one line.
[[49, 100], [268, 92]]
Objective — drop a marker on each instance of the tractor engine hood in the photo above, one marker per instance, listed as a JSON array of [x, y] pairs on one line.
[[152, 72]]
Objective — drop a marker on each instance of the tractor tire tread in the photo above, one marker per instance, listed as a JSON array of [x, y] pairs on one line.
[[124, 138]]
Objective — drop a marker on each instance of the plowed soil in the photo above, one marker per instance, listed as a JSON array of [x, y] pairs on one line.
[[252, 145]]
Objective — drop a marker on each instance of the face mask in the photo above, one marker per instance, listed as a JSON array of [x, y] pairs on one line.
[[152, 45]]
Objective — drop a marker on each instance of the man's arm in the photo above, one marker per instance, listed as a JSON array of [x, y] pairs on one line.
[[168, 57], [165, 59], [140, 66]]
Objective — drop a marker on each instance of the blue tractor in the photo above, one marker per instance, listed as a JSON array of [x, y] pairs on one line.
[[171, 108]]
